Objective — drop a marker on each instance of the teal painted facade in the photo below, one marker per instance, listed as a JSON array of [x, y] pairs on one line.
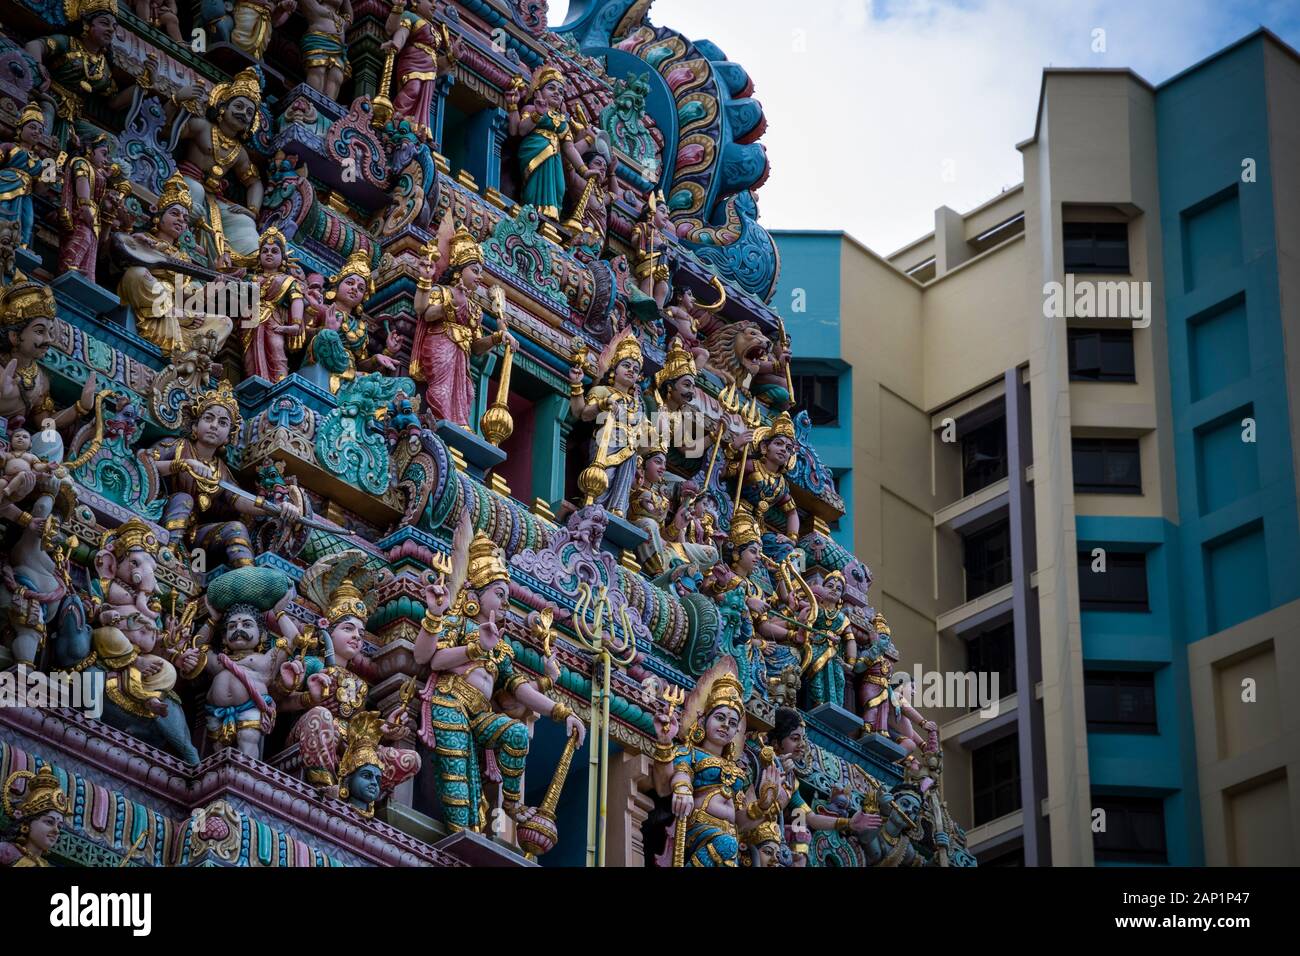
[[1162, 764], [1237, 508], [1234, 551], [808, 298]]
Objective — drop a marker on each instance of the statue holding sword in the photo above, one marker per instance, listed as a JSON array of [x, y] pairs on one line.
[[205, 507]]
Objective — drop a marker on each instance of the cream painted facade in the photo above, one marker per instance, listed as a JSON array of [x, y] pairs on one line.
[[953, 324]]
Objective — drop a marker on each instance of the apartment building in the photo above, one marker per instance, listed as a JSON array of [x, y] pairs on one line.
[[1100, 510]]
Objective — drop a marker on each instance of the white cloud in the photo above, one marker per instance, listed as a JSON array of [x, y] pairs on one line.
[[891, 94]]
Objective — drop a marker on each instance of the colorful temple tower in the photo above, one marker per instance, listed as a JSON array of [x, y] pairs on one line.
[[401, 465]]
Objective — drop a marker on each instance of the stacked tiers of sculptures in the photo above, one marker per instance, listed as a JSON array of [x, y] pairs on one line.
[[226, 297]]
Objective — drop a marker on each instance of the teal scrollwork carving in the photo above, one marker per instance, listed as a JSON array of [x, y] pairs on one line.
[[517, 249], [624, 121], [103, 462], [350, 442]]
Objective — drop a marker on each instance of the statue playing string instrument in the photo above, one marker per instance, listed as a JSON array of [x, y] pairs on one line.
[[450, 326], [150, 290], [279, 325], [713, 800], [548, 142], [472, 683]]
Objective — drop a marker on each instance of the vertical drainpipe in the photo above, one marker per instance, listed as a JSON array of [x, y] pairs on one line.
[[1029, 717]]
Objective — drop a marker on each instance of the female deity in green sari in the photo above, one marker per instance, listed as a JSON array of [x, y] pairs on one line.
[[831, 640], [548, 140]]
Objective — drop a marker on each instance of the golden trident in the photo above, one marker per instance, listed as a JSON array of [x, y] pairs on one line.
[[593, 621]]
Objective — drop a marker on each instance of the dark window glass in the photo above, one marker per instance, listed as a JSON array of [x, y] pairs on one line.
[[1096, 247], [1107, 466], [1014, 857], [983, 456], [995, 778], [1120, 702], [988, 560], [1098, 355], [994, 652], [1121, 587], [820, 395], [1135, 830]]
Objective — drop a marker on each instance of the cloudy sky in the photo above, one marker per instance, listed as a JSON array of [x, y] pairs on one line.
[[879, 111]]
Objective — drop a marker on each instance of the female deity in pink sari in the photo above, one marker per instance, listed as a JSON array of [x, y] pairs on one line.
[[450, 328]]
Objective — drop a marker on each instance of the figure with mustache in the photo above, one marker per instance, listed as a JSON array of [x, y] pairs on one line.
[[240, 708]]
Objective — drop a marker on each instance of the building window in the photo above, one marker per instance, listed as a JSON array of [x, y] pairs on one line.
[[988, 560], [994, 652], [820, 396], [995, 778], [1134, 832], [1013, 857], [1122, 586], [1096, 247], [1109, 466], [1122, 702], [1101, 356], [983, 456]]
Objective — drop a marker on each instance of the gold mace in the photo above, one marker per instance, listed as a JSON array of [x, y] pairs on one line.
[[381, 106], [497, 424], [679, 842], [592, 480], [540, 834], [574, 222]]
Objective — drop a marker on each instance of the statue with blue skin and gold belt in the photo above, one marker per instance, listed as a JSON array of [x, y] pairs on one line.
[[712, 796]]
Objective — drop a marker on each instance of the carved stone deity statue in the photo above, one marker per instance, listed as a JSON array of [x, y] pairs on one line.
[[548, 141], [324, 45], [450, 328], [27, 330], [279, 326], [473, 686], [422, 48], [203, 507], [19, 173], [128, 637], [213, 148], [713, 799], [86, 182], [334, 697], [151, 290], [340, 347], [37, 820], [616, 399]]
